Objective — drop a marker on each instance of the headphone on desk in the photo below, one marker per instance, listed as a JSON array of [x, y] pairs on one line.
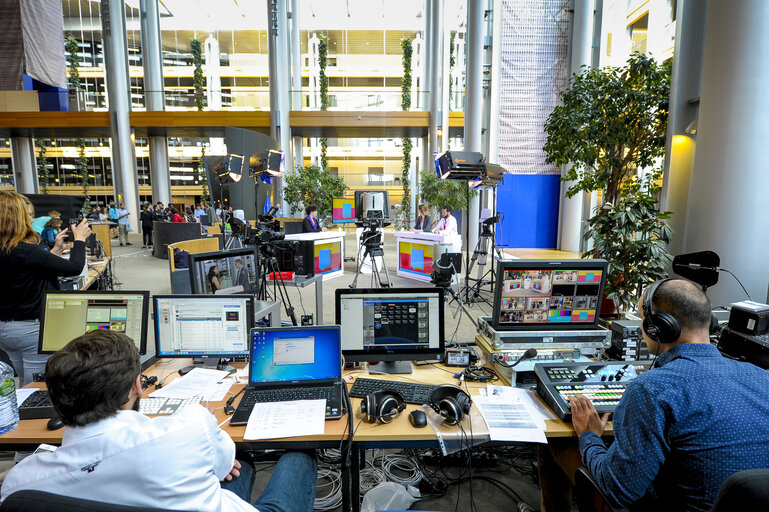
[[659, 326], [382, 406], [451, 403]]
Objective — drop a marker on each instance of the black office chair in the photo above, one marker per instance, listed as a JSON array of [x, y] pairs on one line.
[[39, 501], [589, 496], [746, 490]]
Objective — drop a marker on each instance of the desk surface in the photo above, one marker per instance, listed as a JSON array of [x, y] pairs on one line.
[[33, 432]]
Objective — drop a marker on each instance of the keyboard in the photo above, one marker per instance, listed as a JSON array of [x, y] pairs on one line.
[[331, 394], [412, 392], [36, 406], [166, 406]]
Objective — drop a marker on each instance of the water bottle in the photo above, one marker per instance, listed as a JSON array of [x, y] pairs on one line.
[[9, 408]]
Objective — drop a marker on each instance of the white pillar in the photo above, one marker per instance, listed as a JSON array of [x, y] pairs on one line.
[[729, 187], [23, 161], [296, 77], [213, 71], [474, 103], [124, 175]]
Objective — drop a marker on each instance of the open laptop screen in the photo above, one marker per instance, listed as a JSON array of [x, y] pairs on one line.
[[290, 354]]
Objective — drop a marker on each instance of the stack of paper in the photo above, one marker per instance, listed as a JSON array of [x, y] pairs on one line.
[[511, 415], [211, 384]]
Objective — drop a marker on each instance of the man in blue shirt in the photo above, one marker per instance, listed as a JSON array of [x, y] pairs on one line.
[[122, 223], [687, 424]]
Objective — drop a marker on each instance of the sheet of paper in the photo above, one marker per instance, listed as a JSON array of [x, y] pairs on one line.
[[23, 394], [219, 391], [270, 420], [199, 381], [508, 393], [510, 421]]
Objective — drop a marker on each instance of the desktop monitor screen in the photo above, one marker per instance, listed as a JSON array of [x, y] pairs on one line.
[[65, 315], [327, 257], [395, 324], [548, 294], [342, 211], [224, 272], [372, 200], [202, 325], [295, 354]]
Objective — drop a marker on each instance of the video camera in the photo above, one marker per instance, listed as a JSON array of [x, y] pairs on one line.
[[450, 263]]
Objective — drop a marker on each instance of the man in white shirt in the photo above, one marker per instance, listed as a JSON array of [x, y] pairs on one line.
[[111, 453], [447, 226]]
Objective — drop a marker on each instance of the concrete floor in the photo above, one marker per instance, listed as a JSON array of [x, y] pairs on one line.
[[136, 269]]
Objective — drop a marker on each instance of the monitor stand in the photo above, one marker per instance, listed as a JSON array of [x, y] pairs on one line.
[[390, 367], [212, 363]]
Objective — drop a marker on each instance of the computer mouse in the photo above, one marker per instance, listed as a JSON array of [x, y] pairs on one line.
[[54, 423], [418, 419]]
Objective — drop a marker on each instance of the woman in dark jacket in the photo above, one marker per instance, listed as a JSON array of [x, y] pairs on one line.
[[29, 270], [147, 218]]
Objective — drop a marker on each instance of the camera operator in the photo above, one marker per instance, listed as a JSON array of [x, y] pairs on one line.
[[29, 270], [310, 223]]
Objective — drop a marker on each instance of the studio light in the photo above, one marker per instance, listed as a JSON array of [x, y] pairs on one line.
[[232, 172], [460, 165]]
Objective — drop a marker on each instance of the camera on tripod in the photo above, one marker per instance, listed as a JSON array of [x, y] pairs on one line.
[[450, 263], [374, 220]]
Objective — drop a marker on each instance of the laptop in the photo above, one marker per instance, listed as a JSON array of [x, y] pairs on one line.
[[294, 363]]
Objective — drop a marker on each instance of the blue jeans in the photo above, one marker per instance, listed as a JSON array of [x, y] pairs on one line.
[[19, 340], [290, 489]]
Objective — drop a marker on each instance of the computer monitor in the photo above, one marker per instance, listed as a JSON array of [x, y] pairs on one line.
[[224, 272], [372, 200], [65, 315], [548, 294], [342, 210], [206, 326], [393, 326]]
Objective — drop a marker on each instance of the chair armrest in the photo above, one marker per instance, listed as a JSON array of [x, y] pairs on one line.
[[590, 498]]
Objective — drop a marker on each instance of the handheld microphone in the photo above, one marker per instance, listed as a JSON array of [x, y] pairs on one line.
[[529, 354]]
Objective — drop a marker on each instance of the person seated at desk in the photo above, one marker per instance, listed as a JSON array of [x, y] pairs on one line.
[[310, 223], [686, 425], [423, 220], [112, 453], [447, 225], [51, 229]]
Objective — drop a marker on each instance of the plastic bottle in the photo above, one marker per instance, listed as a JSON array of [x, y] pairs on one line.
[[9, 408]]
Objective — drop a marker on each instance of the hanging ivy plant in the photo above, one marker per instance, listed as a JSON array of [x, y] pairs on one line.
[[201, 170], [452, 61], [73, 61], [82, 168], [323, 62], [198, 80], [42, 166], [406, 142]]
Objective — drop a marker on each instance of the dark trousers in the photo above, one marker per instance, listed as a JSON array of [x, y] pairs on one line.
[[147, 236]]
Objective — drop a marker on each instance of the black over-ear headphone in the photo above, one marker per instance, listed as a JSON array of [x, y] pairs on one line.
[[451, 403], [382, 406], [659, 326]]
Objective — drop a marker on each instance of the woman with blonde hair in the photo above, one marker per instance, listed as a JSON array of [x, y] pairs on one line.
[[423, 220], [29, 270]]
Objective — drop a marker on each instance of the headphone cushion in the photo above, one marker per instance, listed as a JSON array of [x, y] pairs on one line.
[[386, 407], [450, 411], [667, 328]]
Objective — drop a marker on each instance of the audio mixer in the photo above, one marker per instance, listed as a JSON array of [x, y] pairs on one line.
[[603, 383]]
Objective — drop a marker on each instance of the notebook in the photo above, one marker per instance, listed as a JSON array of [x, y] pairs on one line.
[[294, 363]]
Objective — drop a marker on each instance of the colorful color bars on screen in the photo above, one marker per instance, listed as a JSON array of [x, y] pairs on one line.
[[328, 257], [416, 258], [343, 211]]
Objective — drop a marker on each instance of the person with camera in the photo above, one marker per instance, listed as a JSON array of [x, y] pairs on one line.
[[310, 223], [30, 269], [112, 453]]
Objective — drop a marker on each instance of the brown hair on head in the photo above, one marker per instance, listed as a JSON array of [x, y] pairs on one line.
[[15, 221]]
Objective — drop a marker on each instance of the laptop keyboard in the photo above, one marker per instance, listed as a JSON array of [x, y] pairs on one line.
[[36, 406], [412, 392], [331, 394]]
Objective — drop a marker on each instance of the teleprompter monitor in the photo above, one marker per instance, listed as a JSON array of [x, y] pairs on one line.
[[65, 315], [207, 326], [394, 325], [224, 272], [342, 210], [548, 294]]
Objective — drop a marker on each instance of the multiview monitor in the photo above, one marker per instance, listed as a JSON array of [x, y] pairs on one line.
[[390, 326], [211, 327], [548, 294], [224, 272], [65, 315]]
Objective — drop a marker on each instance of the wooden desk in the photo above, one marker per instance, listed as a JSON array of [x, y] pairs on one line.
[[102, 231], [94, 271]]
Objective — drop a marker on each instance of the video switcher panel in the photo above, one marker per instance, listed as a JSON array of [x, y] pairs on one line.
[[603, 383]]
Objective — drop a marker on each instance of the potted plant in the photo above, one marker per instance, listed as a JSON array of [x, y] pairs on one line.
[[313, 185], [611, 130]]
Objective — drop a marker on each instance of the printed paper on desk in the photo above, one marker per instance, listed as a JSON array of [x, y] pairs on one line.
[[509, 393], [270, 420], [510, 421], [199, 381]]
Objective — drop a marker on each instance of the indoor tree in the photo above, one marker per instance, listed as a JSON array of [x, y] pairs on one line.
[[312, 185], [437, 193], [406, 142], [611, 130]]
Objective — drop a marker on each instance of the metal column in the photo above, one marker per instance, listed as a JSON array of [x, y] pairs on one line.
[[435, 59], [277, 35], [23, 161], [154, 97], [474, 102], [124, 176], [296, 77]]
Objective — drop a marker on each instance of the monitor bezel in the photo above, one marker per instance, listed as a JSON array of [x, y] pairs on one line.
[[249, 321], [144, 320], [389, 354], [541, 264], [223, 254]]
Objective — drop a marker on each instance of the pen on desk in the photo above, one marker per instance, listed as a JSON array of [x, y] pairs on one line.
[[225, 421]]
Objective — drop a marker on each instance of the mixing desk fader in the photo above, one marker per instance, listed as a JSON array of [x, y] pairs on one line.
[[603, 383]]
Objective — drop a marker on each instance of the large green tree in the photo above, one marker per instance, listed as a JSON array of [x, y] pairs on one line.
[[312, 185]]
